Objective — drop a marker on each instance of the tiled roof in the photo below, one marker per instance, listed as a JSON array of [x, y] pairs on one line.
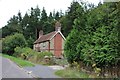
[[45, 37]]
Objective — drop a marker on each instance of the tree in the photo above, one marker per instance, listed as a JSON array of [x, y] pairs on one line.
[[13, 41], [50, 16], [30, 42], [12, 27], [95, 38], [57, 15], [19, 17], [74, 11], [31, 22], [70, 46], [47, 22], [76, 35], [43, 15]]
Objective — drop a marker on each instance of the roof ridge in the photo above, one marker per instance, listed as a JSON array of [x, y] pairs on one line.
[[49, 33], [45, 37]]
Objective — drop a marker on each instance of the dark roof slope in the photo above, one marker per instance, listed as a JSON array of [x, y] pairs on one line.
[[45, 37]]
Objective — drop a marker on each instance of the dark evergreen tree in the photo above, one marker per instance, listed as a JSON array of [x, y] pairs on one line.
[[75, 10], [57, 16]]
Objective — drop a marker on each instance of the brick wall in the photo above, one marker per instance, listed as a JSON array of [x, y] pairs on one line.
[[58, 45]]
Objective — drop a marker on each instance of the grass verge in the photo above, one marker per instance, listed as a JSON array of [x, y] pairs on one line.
[[71, 73], [18, 61]]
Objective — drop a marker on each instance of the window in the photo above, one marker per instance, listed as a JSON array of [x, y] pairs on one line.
[[44, 44]]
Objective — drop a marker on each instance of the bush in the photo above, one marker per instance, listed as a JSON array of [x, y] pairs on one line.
[[22, 52], [13, 41], [31, 55], [30, 42], [17, 52], [70, 46], [96, 42]]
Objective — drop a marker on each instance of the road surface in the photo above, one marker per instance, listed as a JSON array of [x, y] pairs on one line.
[[42, 71], [11, 70]]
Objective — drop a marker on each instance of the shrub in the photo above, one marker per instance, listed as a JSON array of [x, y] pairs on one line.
[[13, 41], [96, 42], [30, 42], [31, 55], [18, 51], [70, 46]]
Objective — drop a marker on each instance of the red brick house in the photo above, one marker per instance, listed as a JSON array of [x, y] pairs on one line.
[[52, 42]]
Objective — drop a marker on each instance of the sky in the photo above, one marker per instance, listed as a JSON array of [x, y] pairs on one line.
[[12, 7]]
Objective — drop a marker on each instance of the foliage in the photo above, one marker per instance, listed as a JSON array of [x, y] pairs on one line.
[[31, 55], [75, 36], [70, 46], [30, 42], [13, 41], [61, 62], [98, 41], [74, 11]]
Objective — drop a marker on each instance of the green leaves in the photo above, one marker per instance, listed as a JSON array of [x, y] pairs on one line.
[[70, 46], [97, 38], [13, 41]]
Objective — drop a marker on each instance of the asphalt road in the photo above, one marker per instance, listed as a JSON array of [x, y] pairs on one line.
[[42, 71], [11, 70]]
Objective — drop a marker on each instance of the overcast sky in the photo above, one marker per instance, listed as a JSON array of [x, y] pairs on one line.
[[11, 7]]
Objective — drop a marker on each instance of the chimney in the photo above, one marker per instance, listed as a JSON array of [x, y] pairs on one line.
[[57, 26], [40, 33]]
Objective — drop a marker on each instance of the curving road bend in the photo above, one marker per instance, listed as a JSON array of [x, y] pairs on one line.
[[11, 70]]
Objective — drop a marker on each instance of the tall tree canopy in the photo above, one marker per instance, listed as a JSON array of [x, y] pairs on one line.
[[98, 40]]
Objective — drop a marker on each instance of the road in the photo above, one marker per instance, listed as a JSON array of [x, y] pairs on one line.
[[11, 70], [44, 71]]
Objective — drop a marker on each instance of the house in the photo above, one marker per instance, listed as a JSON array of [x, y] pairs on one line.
[[52, 42]]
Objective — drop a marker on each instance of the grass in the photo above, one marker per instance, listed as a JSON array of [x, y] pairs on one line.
[[71, 73], [18, 61]]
